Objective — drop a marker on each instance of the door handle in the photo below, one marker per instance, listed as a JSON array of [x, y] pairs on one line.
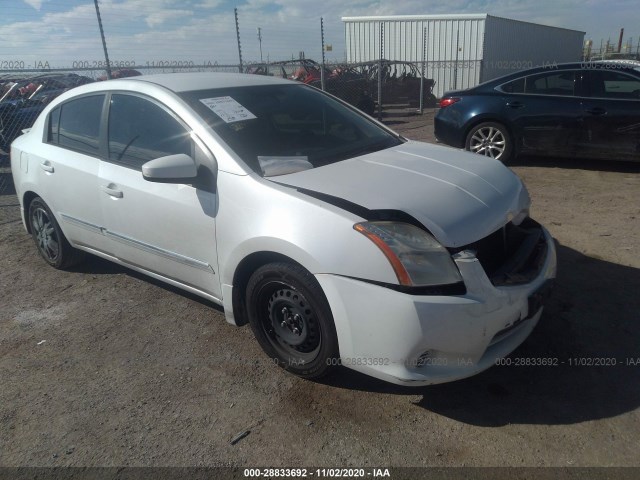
[[47, 167], [596, 111], [515, 105], [111, 191]]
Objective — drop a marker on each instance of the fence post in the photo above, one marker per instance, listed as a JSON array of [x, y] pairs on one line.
[[424, 56], [104, 42], [323, 60], [235, 12], [380, 71], [455, 71]]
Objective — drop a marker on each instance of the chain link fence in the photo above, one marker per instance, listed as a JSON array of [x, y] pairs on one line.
[[373, 87], [378, 88]]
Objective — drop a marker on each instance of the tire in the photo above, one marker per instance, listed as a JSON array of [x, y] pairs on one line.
[[291, 319], [490, 139], [49, 239]]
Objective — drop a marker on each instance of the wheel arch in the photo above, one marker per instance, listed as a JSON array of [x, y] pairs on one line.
[[243, 272], [27, 198]]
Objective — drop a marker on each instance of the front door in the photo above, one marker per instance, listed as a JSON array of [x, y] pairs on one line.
[[612, 116], [546, 115], [165, 228]]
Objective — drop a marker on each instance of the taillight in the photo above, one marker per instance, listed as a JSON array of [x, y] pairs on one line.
[[446, 101]]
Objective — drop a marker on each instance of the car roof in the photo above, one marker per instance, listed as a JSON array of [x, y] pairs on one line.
[[588, 65], [186, 82]]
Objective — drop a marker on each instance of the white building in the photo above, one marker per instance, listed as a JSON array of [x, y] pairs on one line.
[[460, 51]]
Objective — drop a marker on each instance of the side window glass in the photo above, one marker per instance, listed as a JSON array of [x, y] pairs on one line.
[[79, 124], [514, 86], [608, 84], [553, 83], [140, 130], [54, 122]]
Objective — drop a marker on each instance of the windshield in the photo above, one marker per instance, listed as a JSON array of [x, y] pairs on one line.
[[278, 129]]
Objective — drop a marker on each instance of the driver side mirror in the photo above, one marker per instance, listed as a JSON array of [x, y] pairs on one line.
[[179, 168]]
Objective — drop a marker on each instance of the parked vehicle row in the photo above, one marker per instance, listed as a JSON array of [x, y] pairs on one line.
[[583, 110], [400, 82], [23, 97], [357, 83]]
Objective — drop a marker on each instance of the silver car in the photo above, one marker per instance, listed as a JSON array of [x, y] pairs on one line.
[[336, 239]]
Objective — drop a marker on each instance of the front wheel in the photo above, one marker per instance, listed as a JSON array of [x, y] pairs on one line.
[[491, 140], [291, 319]]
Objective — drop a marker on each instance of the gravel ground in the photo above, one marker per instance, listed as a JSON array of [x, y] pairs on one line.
[[101, 366]]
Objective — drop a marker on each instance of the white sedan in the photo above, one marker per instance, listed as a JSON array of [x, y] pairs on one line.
[[336, 239]]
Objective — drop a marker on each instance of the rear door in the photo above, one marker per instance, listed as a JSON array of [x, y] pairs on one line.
[[68, 163], [545, 112], [612, 115], [165, 228]]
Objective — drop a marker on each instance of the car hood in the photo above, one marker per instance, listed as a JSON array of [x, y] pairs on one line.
[[458, 196]]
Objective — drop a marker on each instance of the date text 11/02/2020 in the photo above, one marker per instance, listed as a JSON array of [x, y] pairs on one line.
[[571, 362], [318, 472], [466, 361], [506, 361]]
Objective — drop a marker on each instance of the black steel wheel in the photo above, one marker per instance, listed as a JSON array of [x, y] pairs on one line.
[[291, 319], [50, 241], [491, 140]]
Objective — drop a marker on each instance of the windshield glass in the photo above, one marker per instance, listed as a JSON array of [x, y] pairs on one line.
[[278, 129]]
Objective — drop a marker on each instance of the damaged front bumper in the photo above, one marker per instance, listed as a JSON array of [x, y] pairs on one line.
[[421, 340]]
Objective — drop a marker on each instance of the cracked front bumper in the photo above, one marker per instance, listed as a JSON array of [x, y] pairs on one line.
[[422, 340]]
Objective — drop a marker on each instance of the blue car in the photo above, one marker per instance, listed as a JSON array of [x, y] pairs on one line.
[[584, 110]]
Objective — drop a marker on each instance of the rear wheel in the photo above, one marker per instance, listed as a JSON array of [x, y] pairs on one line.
[[491, 140], [50, 241], [291, 319]]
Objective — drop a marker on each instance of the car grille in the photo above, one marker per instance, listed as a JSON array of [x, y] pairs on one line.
[[512, 255]]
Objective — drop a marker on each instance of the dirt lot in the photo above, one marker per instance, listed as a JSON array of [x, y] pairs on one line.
[[102, 366]]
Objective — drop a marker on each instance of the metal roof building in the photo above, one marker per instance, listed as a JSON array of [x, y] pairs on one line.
[[460, 51]]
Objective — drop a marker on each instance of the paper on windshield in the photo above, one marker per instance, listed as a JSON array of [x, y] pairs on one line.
[[274, 166], [228, 109]]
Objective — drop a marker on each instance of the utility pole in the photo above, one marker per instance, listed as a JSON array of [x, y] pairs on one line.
[[380, 57], [104, 42], [260, 41], [620, 40], [235, 12], [323, 59]]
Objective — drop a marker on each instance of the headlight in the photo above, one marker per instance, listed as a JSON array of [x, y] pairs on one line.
[[517, 218], [416, 257]]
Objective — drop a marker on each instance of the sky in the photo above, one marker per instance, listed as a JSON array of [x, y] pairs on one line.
[[64, 33]]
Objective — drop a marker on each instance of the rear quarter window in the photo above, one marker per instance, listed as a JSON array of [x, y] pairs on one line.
[[514, 86], [54, 123]]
